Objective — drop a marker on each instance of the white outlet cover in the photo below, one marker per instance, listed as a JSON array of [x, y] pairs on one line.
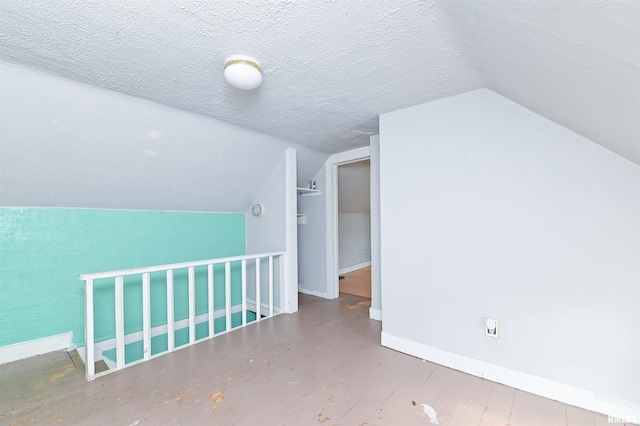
[[491, 328]]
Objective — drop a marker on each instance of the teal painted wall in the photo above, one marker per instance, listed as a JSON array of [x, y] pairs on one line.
[[43, 250], [135, 351]]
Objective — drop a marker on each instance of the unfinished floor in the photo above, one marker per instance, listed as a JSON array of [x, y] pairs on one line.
[[323, 365]]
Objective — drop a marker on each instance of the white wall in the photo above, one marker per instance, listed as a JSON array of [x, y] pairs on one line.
[[272, 231], [312, 244], [267, 232], [354, 239], [489, 210]]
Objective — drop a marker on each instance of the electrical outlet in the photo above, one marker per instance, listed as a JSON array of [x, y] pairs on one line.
[[366, 251], [491, 328]]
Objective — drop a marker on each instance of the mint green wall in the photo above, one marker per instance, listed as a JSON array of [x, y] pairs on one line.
[[135, 351], [43, 250]]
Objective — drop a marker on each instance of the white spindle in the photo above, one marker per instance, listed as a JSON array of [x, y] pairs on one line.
[[270, 286], [170, 332], [244, 291], [210, 295], [146, 315], [90, 365], [192, 305], [227, 294], [120, 275], [119, 282], [258, 289]]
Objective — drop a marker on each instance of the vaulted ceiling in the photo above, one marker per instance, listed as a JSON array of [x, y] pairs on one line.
[[331, 67]]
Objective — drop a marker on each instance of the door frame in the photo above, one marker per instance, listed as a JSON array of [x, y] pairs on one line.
[[333, 284]]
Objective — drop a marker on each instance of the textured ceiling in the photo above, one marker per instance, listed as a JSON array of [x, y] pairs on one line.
[[330, 67]]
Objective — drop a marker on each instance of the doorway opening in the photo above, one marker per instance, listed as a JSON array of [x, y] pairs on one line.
[[354, 228], [371, 153]]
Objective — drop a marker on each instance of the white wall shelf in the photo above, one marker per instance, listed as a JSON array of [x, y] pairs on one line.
[[306, 192]]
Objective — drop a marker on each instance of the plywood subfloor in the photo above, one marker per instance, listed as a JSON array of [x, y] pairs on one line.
[[357, 283], [321, 366]]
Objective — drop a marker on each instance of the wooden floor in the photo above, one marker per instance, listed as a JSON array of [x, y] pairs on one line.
[[323, 365], [357, 283]]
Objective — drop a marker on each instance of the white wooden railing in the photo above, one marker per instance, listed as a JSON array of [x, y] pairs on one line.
[[257, 305]]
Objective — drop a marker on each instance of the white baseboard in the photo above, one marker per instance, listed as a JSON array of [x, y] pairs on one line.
[[352, 268], [31, 348], [375, 314], [527, 382], [313, 293], [251, 306]]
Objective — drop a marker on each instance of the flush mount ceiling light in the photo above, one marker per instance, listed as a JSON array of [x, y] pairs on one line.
[[242, 72]]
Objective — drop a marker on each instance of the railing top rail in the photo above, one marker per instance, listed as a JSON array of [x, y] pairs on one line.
[[158, 268]]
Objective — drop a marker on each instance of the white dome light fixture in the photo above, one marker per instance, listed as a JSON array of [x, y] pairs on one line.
[[242, 72]]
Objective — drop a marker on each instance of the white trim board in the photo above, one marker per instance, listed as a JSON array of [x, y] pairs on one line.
[[312, 293], [290, 260], [35, 347], [376, 284], [527, 382], [375, 314], [352, 268], [351, 156], [331, 212]]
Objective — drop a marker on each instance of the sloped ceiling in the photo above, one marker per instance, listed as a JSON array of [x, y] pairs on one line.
[[64, 144], [354, 190], [574, 62], [330, 67]]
